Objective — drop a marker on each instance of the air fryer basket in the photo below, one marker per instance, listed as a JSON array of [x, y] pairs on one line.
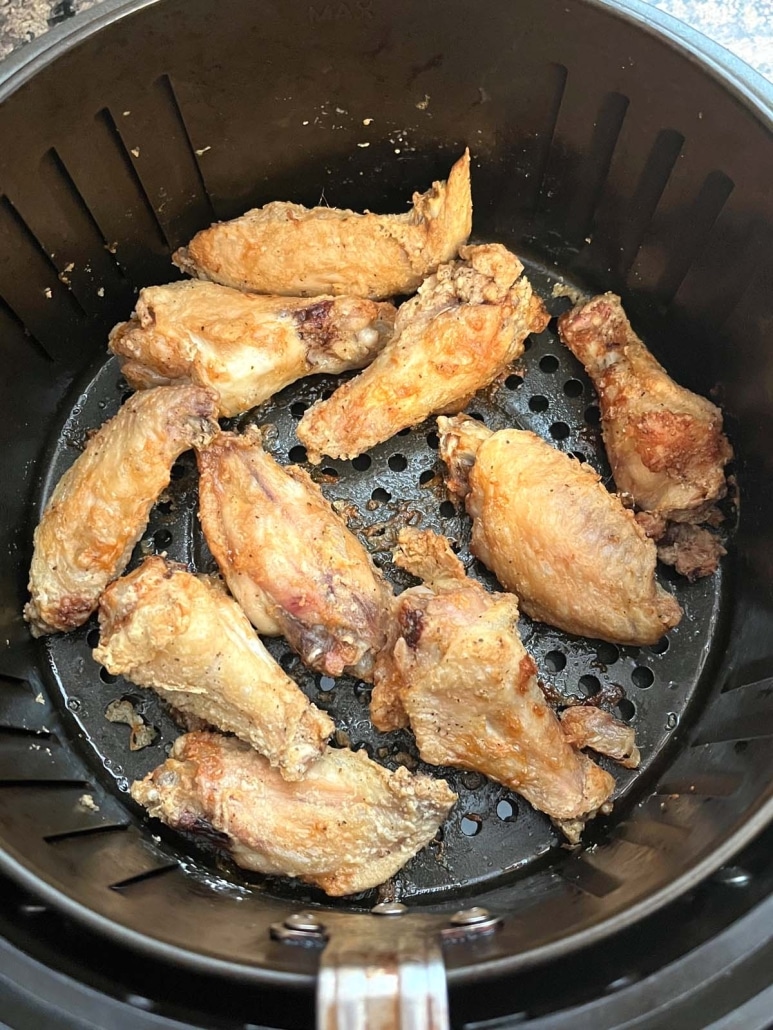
[[608, 157]]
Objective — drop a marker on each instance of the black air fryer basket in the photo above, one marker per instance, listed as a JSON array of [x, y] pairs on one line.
[[608, 156]]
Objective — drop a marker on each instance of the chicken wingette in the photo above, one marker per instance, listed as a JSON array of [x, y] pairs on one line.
[[468, 322], [244, 346], [459, 675], [289, 559], [554, 535], [181, 634], [100, 507], [348, 825], [288, 249]]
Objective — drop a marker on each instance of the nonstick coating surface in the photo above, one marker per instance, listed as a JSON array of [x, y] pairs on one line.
[[491, 834]]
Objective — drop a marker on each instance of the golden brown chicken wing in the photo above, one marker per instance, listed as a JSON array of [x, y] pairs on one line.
[[182, 635], [245, 347], [551, 532], [460, 674], [100, 506], [289, 559], [665, 443], [468, 322], [293, 250], [348, 825]]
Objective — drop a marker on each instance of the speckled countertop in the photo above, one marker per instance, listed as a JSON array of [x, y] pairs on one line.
[[743, 26]]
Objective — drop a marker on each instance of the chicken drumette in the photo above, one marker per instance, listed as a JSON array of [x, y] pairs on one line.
[[551, 532], [460, 676], [293, 250], [182, 635], [100, 506], [465, 326], [665, 444], [244, 346], [289, 559], [348, 825]]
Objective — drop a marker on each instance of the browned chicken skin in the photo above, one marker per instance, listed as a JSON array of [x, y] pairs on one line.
[[665, 444], [460, 676], [288, 249], [289, 559], [588, 726], [244, 346], [467, 324], [100, 506], [551, 532], [182, 635], [348, 825]]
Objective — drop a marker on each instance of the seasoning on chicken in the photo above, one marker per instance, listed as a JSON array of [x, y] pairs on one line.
[[347, 826], [182, 635], [467, 324], [289, 559], [288, 249], [665, 444], [551, 533], [245, 347], [460, 676], [100, 507]]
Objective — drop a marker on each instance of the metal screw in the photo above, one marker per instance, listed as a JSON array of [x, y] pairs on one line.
[[389, 908], [304, 921], [733, 876], [470, 916]]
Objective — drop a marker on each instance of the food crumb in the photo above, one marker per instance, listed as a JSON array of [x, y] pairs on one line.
[[367, 121], [48, 292], [571, 292], [123, 711], [306, 122], [363, 144], [111, 248], [39, 699], [424, 104], [69, 267], [136, 151], [101, 291], [126, 114], [202, 150], [87, 801]]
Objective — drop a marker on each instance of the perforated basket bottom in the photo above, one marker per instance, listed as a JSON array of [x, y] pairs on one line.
[[491, 834]]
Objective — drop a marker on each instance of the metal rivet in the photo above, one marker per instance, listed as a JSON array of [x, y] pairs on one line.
[[733, 876], [304, 921], [470, 916], [389, 908]]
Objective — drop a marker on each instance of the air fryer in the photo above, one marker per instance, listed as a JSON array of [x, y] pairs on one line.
[[608, 156]]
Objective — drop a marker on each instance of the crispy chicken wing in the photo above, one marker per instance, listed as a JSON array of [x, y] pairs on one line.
[[289, 559], [289, 249], [665, 443], [245, 347], [459, 674], [182, 635], [100, 506], [468, 322], [348, 825], [551, 532]]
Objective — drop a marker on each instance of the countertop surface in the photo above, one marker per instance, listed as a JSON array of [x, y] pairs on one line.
[[743, 26]]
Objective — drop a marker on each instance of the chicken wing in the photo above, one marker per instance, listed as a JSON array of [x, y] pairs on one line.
[[551, 532], [347, 826], [100, 506], [289, 559], [665, 443], [289, 249], [469, 690], [243, 346], [182, 635], [468, 322]]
